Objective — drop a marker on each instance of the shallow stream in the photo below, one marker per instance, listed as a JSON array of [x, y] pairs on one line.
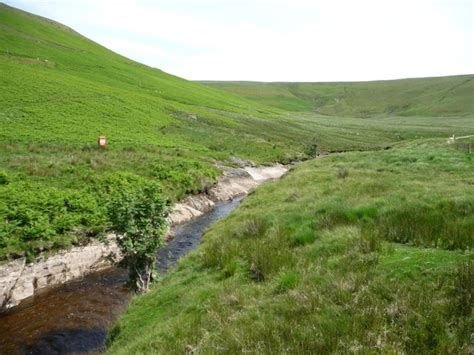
[[74, 317]]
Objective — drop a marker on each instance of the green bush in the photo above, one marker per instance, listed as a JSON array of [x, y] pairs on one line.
[[35, 219], [4, 178], [140, 218]]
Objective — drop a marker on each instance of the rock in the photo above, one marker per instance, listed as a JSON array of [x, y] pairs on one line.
[[182, 213], [9, 275], [266, 173], [20, 280], [229, 187]]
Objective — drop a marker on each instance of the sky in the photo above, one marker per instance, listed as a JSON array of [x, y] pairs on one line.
[[278, 40]]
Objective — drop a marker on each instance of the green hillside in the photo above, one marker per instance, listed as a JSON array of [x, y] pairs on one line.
[[361, 252], [368, 250], [60, 91], [61, 88], [444, 96]]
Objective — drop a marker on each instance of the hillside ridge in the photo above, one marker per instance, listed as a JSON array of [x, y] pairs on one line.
[[430, 96]]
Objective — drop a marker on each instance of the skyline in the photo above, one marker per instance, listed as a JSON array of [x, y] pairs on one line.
[[266, 40]]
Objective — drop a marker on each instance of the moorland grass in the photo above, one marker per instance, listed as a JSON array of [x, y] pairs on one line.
[[316, 263], [445, 96], [356, 252], [59, 91]]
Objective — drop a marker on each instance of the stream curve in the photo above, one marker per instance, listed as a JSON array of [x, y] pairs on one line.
[[74, 317]]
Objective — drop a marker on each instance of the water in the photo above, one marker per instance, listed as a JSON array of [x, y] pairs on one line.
[[188, 235], [74, 317]]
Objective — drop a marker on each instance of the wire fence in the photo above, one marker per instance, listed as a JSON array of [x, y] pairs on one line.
[[465, 147]]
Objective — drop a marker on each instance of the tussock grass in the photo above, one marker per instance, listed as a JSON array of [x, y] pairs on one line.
[[356, 252], [317, 264], [60, 91]]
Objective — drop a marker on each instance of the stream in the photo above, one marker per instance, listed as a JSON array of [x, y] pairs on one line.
[[74, 317]]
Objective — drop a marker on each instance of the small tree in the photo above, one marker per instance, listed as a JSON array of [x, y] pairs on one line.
[[311, 148], [140, 218]]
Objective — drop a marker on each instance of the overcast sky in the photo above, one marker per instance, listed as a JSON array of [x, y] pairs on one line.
[[277, 40]]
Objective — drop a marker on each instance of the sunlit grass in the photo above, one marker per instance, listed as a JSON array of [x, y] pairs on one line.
[[305, 266], [62, 91]]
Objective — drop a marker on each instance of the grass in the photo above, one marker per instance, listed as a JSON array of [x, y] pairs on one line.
[[306, 265], [364, 251], [446, 96], [62, 91]]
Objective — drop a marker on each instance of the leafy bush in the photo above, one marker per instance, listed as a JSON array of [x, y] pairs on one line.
[[4, 178], [311, 148], [35, 219], [140, 217]]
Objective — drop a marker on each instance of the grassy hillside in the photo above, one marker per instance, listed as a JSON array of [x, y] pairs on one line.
[[62, 88], [445, 96], [354, 253], [59, 91]]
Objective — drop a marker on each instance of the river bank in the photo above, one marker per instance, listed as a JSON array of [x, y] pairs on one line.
[[20, 280]]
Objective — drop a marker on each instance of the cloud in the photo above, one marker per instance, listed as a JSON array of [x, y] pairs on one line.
[[277, 40]]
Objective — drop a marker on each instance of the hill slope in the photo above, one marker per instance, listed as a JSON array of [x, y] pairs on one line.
[[444, 96], [361, 252], [59, 91], [60, 87]]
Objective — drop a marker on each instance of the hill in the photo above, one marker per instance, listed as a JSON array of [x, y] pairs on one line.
[[60, 91], [63, 89], [443, 96], [362, 251], [359, 252]]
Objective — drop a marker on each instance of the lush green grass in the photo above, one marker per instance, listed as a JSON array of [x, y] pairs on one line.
[[61, 90], [446, 96], [357, 252]]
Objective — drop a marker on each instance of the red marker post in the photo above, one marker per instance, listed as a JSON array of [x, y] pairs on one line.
[[101, 142]]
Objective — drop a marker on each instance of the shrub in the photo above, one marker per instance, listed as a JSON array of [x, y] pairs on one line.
[[311, 148], [4, 178], [35, 219], [140, 217]]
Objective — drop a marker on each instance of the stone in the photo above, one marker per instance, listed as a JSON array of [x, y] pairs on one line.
[[19, 280]]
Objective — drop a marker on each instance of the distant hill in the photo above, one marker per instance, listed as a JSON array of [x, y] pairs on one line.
[[60, 87], [59, 91], [442, 96]]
